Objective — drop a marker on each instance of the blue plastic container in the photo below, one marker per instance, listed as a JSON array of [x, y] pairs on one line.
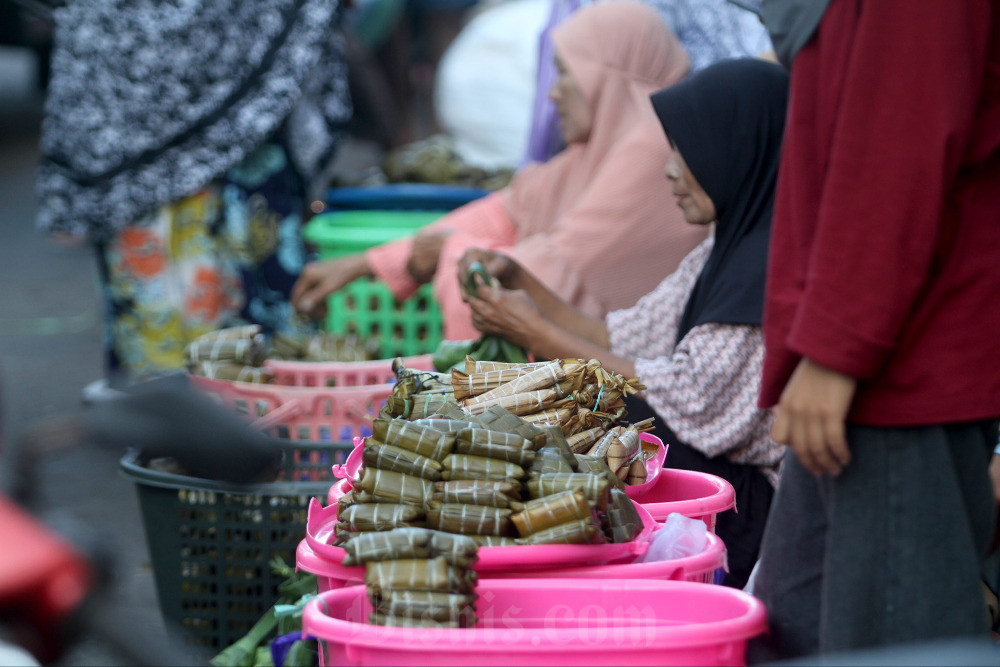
[[395, 196]]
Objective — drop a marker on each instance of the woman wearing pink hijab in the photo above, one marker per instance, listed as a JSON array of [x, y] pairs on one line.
[[594, 223]]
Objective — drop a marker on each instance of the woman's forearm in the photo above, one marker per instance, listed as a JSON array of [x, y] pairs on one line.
[[551, 341], [564, 316]]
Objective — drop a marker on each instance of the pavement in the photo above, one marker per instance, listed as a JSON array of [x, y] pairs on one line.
[[50, 348]]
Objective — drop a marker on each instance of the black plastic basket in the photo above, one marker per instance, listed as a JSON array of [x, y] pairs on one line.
[[211, 542]]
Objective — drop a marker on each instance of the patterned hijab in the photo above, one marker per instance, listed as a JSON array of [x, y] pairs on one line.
[[150, 101], [727, 122]]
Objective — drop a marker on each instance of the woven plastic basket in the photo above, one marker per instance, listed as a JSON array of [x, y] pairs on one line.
[[318, 414], [342, 374], [366, 307], [211, 543]]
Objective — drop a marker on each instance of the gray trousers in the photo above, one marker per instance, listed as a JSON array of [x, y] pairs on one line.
[[888, 552]]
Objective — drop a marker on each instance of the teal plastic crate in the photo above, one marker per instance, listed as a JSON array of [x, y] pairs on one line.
[[366, 307]]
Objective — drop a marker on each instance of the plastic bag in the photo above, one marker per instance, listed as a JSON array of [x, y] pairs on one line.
[[680, 537]]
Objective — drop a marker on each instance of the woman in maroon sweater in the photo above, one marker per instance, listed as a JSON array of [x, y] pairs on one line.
[[881, 327]]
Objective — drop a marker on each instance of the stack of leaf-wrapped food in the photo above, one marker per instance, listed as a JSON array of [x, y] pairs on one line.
[[238, 353], [581, 398], [478, 469], [417, 577], [235, 353]]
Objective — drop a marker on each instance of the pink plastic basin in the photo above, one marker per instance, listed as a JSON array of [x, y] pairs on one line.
[[702, 567], [493, 561], [551, 622], [696, 495]]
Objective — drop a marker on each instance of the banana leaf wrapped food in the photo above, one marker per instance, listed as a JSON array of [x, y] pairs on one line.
[[388, 457], [554, 416], [427, 606], [458, 550], [346, 501], [488, 436], [595, 488], [522, 457], [473, 366], [582, 441], [471, 520], [550, 460], [250, 351], [500, 419], [417, 438], [637, 473], [548, 511], [524, 403], [425, 381], [466, 466], [418, 574], [467, 385], [378, 516], [395, 487], [446, 425], [623, 521], [454, 412], [541, 377], [556, 440], [581, 531], [345, 537], [397, 544], [410, 543], [418, 406], [599, 466], [505, 494]]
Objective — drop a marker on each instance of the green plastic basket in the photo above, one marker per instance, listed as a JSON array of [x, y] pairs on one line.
[[211, 542], [366, 307]]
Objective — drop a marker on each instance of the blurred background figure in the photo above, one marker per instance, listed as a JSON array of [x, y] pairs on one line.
[[594, 223], [182, 141], [709, 30]]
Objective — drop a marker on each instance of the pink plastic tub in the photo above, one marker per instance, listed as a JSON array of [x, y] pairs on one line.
[[551, 622], [342, 374], [493, 561], [321, 414], [702, 567], [696, 495]]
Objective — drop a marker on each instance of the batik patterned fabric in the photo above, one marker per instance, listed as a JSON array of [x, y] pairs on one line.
[[150, 101], [222, 257]]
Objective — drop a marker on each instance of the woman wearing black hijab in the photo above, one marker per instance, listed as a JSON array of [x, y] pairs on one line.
[[695, 341]]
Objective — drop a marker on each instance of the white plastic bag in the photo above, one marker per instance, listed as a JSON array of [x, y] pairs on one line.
[[680, 537]]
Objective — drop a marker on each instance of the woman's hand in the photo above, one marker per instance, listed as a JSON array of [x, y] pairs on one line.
[[498, 265], [810, 417], [510, 314], [321, 279], [423, 261]]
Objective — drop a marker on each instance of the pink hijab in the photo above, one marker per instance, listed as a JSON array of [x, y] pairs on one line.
[[597, 222]]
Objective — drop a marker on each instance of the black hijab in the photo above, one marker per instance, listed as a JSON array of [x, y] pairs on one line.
[[727, 120]]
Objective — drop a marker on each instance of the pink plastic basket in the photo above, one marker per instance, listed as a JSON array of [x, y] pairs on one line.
[[342, 374], [320, 414], [696, 495], [551, 622]]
